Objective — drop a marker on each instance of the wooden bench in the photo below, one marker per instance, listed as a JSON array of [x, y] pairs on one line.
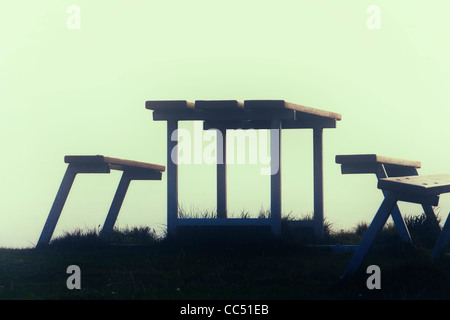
[[132, 170], [424, 190], [385, 167]]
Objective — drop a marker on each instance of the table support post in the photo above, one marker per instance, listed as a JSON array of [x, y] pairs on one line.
[[221, 147], [172, 177], [318, 183], [275, 179], [57, 206]]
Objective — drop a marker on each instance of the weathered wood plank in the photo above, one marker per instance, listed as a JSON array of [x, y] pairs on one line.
[[374, 158], [360, 168], [418, 185], [265, 124], [169, 105], [424, 200], [313, 111], [236, 115], [281, 104], [219, 105], [115, 163], [126, 164]]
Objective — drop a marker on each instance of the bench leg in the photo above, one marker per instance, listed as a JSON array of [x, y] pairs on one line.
[[442, 241], [116, 205], [375, 227], [57, 206], [400, 224]]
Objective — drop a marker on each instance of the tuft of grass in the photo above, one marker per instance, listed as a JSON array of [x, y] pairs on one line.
[[195, 213], [424, 230], [136, 235], [91, 237], [77, 238]]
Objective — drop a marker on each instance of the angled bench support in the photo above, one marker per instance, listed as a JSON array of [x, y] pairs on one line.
[[442, 241], [375, 227], [399, 223], [97, 164], [423, 190], [116, 204], [61, 197]]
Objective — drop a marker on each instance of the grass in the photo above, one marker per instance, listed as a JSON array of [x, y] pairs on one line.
[[227, 263]]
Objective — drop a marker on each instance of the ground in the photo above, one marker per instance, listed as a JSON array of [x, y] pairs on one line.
[[207, 270]]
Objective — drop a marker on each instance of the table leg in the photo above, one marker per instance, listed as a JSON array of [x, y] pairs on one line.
[[318, 182], [172, 177], [275, 178], [221, 173], [375, 227]]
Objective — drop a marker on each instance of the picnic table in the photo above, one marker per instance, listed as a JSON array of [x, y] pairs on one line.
[[223, 115]]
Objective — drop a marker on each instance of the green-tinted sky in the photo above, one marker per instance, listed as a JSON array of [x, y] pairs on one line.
[[83, 91]]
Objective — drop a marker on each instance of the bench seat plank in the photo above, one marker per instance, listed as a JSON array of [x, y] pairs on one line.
[[374, 158], [419, 185], [114, 163]]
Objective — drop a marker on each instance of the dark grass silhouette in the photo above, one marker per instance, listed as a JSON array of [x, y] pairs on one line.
[[136, 263]]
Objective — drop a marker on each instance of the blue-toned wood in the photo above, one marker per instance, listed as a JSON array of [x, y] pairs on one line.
[[132, 170], [275, 178], [375, 227], [442, 241], [221, 143], [172, 177], [115, 205], [318, 182], [57, 206]]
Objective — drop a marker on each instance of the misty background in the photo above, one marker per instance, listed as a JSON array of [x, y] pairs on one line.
[[83, 90]]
